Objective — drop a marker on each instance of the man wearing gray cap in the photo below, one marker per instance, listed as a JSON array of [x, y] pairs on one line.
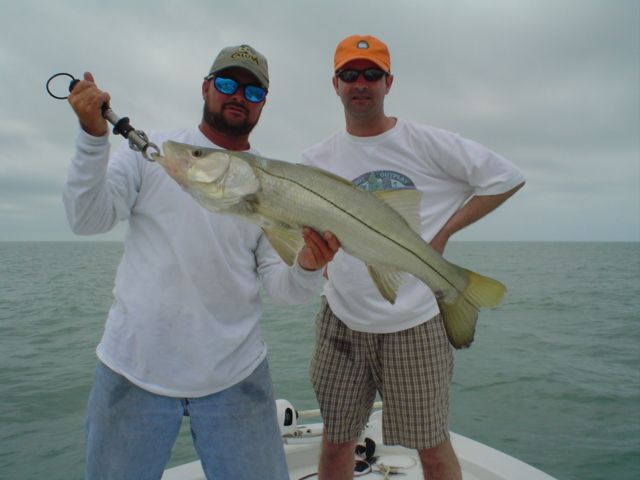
[[182, 336]]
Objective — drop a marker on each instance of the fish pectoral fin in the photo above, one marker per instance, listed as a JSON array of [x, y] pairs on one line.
[[387, 281], [406, 202], [286, 242]]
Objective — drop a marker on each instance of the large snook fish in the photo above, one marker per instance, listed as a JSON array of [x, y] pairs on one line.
[[379, 228]]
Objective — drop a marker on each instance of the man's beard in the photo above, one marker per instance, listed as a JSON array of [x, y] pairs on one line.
[[219, 123]]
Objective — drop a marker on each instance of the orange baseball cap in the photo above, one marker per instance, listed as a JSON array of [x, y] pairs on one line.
[[362, 47]]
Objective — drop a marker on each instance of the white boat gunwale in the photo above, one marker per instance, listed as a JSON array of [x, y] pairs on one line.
[[478, 461]]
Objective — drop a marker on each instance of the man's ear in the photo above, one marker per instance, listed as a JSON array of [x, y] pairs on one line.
[[388, 80], [206, 84]]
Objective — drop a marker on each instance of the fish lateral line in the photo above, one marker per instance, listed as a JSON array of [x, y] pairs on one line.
[[361, 222]]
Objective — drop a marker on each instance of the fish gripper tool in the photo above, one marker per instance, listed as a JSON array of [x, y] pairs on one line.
[[138, 140]]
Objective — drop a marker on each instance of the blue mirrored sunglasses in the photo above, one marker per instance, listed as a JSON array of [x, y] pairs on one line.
[[351, 75], [229, 86]]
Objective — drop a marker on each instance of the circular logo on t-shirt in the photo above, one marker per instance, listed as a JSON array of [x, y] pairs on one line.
[[383, 180]]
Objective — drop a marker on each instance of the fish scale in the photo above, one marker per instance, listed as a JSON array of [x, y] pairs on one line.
[[385, 230]]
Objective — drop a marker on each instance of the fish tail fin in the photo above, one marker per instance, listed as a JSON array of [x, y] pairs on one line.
[[460, 316]]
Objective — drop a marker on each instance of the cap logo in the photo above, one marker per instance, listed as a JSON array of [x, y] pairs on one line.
[[362, 44], [245, 52]]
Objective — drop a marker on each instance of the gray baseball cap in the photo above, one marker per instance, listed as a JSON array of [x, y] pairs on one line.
[[243, 56]]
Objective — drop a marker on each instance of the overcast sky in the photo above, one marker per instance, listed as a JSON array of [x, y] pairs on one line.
[[552, 85]]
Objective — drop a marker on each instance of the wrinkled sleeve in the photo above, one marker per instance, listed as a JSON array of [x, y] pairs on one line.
[[99, 192], [285, 285], [486, 171]]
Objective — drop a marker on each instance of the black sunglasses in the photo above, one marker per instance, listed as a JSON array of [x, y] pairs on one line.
[[370, 75], [229, 86]]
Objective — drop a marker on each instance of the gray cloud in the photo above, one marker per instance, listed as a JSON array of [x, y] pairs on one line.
[[551, 85]]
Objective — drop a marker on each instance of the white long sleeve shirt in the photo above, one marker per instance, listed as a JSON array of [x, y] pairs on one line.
[[184, 320]]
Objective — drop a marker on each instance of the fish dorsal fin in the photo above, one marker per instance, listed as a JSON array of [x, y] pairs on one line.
[[330, 175], [286, 242], [405, 201], [387, 281]]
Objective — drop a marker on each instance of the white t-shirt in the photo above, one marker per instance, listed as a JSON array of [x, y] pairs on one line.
[[184, 320], [446, 168]]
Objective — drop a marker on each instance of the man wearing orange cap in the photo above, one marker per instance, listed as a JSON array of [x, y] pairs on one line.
[[364, 344]]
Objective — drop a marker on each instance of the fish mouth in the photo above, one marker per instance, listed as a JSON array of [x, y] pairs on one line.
[[175, 159]]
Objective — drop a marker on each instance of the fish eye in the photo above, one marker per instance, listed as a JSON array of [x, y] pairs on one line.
[[196, 153]]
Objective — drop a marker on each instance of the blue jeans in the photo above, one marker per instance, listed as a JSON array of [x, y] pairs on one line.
[[130, 431]]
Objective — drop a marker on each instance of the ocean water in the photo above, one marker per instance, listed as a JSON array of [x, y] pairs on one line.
[[553, 377]]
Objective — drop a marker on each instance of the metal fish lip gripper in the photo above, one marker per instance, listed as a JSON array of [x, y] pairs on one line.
[[138, 140]]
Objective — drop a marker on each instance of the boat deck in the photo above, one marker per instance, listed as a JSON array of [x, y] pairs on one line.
[[478, 461]]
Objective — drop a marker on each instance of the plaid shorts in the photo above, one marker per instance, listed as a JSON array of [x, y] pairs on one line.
[[411, 369]]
